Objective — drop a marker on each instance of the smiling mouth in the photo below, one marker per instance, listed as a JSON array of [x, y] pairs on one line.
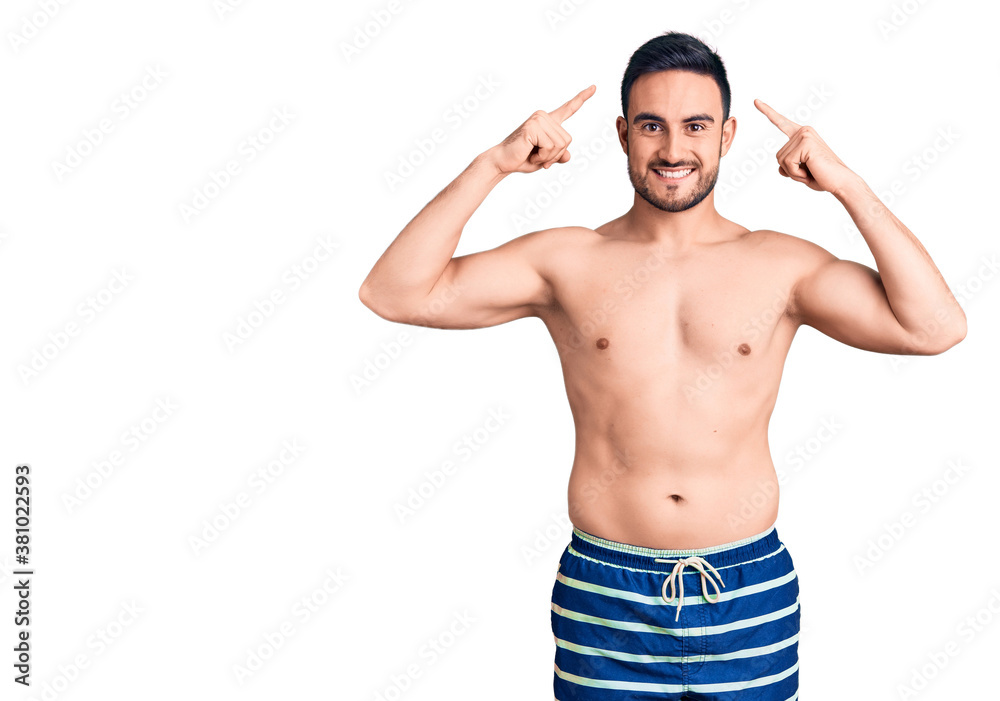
[[673, 174]]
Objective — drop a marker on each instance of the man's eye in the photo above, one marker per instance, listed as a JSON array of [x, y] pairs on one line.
[[650, 125], [700, 127]]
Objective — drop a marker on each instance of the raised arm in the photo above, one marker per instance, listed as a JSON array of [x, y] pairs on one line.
[[418, 281], [847, 301], [905, 307]]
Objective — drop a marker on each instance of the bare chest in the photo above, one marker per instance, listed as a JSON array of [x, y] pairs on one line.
[[637, 312]]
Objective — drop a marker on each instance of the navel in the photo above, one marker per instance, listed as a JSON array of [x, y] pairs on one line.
[[677, 498], [602, 343], [744, 349]]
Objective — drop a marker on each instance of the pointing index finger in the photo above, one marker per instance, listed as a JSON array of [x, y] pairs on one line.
[[565, 111], [784, 123]]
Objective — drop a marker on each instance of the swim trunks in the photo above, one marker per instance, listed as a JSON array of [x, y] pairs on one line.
[[719, 623]]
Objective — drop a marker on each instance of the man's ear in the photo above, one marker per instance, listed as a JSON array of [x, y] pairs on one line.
[[622, 126], [728, 135]]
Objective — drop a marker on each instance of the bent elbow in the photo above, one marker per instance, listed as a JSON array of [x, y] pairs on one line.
[[377, 303], [370, 299], [365, 295], [941, 345], [957, 337], [962, 332], [952, 343]]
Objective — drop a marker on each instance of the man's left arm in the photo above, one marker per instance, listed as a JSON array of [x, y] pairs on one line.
[[906, 307]]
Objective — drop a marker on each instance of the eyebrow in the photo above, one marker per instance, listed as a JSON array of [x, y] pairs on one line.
[[657, 118]]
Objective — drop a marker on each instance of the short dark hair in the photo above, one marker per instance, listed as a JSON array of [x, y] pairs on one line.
[[676, 51]]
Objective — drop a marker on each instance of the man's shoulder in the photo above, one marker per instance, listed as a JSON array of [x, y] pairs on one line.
[[557, 237], [559, 248], [789, 246], [563, 233]]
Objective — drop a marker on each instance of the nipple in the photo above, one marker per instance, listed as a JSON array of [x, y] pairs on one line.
[[602, 343]]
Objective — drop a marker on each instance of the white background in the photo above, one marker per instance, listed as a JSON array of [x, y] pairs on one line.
[[485, 544]]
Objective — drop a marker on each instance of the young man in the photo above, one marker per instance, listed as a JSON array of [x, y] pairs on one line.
[[672, 325]]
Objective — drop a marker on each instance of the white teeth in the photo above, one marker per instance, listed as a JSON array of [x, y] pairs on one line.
[[678, 174]]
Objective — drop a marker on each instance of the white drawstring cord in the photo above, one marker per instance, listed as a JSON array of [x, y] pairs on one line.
[[699, 563]]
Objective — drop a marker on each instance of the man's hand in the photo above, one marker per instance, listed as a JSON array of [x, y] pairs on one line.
[[806, 157], [540, 141]]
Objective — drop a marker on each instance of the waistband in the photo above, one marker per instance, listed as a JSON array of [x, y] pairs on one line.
[[624, 555]]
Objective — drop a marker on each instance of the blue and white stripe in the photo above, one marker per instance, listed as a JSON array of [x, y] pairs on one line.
[[616, 637]]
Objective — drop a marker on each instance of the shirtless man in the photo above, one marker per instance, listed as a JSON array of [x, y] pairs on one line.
[[672, 324]]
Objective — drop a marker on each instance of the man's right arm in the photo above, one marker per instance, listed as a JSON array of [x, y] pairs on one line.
[[417, 281]]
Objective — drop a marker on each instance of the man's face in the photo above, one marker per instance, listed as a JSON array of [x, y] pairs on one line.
[[675, 127]]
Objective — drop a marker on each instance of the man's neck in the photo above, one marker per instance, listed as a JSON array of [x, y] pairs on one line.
[[673, 232]]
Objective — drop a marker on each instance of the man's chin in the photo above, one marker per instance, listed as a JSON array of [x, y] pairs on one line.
[[673, 205], [666, 204]]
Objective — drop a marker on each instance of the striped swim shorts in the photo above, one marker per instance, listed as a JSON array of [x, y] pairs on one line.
[[718, 623]]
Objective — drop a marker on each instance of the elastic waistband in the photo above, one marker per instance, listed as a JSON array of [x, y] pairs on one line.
[[625, 555]]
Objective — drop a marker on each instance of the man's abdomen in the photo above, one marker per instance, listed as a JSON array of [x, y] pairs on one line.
[[655, 500]]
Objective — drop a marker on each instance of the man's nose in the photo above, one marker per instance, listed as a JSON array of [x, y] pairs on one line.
[[671, 149]]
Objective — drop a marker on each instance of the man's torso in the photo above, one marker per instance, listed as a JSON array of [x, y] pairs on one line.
[[672, 365]]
